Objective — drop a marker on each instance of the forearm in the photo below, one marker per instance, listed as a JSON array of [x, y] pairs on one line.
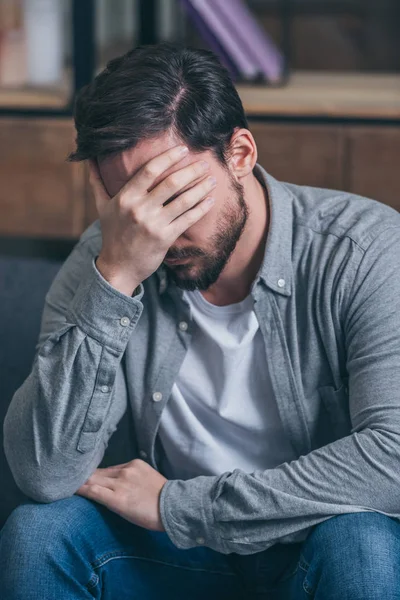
[[58, 424], [249, 512]]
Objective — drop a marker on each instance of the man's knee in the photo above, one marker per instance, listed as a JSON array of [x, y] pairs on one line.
[[356, 533], [351, 554], [33, 524], [47, 547]]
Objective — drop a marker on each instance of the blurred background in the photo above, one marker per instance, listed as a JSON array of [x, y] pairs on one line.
[[319, 79]]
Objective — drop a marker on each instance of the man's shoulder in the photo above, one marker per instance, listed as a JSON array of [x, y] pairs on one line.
[[341, 214]]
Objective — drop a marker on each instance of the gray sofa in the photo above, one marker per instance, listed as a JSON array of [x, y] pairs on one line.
[[23, 286]]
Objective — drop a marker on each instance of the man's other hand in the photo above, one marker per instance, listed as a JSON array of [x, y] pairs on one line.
[[131, 490]]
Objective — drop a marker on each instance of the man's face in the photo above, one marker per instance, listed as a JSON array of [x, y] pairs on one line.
[[208, 243]]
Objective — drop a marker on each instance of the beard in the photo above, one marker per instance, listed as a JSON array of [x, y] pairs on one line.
[[209, 265]]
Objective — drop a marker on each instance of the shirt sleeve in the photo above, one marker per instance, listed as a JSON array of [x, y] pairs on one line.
[[249, 512], [58, 424]]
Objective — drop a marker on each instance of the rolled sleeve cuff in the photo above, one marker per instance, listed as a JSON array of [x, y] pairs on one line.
[[187, 514], [104, 313]]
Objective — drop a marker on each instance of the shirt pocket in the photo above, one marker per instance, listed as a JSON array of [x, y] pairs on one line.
[[336, 404]]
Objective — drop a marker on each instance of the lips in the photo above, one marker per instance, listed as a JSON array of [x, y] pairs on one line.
[[176, 261]]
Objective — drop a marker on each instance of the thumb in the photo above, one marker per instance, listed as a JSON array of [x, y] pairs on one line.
[[100, 193]]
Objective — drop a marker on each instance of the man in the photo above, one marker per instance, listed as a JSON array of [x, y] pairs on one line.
[[233, 366]]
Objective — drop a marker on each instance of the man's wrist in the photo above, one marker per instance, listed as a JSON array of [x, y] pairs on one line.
[[117, 280], [97, 309]]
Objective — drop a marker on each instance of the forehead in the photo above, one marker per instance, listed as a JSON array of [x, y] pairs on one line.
[[116, 170]]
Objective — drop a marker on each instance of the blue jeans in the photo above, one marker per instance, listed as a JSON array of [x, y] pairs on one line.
[[75, 549]]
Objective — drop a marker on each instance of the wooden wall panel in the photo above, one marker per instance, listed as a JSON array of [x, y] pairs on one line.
[[41, 195], [301, 154], [373, 167]]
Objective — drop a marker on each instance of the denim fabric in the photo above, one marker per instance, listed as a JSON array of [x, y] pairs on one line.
[[75, 549]]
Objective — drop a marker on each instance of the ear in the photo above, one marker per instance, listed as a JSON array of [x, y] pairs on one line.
[[242, 153]]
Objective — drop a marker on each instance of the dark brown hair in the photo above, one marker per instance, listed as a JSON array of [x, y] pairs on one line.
[[152, 89]]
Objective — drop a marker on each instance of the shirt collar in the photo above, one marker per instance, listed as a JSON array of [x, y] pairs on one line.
[[276, 269]]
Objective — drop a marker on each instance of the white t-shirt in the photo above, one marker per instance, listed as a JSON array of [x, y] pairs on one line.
[[222, 413]]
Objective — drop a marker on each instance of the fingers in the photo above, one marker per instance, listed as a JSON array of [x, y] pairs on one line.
[[98, 477], [179, 225], [187, 200], [175, 183], [115, 466], [98, 493], [99, 191], [112, 471], [147, 175]]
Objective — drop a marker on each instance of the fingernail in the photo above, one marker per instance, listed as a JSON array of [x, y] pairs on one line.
[[183, 150]]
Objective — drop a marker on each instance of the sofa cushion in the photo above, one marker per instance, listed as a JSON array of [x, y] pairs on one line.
[[23, 286]]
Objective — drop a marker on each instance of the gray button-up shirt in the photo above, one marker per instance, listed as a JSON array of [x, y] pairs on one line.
[[327, 298]]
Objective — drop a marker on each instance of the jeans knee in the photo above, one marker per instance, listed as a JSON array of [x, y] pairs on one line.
[[355, 555], [48, 547], [360, 534], [33, 524]]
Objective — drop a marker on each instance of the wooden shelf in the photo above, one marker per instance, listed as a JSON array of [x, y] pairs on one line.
[[308, 94], [313, 94], [28, 97]]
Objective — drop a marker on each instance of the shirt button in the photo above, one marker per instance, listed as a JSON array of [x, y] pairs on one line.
[[157, 396], [183, 326], [125, 321], [105, 389], [143, 454], [281, 283], [200, 540]]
